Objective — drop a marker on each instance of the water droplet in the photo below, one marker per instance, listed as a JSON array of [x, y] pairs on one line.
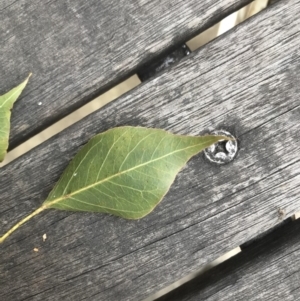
[[40, 103]]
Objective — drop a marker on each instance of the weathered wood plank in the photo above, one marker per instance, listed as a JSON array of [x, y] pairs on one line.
[[246, 81], [78, 49], [268, 269]]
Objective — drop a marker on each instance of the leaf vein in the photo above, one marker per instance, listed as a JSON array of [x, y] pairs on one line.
[[125, 171]]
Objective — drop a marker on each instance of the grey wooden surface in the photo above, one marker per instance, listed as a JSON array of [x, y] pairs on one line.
[[246, 81], [78, 49], [268, 269]]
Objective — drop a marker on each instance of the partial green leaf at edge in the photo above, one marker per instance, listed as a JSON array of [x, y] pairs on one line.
[[125, 171], [6, 103]]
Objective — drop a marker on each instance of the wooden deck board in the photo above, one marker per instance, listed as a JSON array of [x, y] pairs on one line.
[[246, 81], [268, 269], [78, 49]]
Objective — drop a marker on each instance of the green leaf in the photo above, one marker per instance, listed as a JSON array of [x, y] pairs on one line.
[[124, 171], [6, 103]]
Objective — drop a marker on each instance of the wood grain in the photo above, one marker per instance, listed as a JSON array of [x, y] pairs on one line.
[[268, 269], [78, 49], [247, 82]]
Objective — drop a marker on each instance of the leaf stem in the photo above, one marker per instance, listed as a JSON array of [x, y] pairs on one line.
[[20, 223]]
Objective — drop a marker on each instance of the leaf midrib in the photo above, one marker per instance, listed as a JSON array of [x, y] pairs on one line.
[[117, 174]]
